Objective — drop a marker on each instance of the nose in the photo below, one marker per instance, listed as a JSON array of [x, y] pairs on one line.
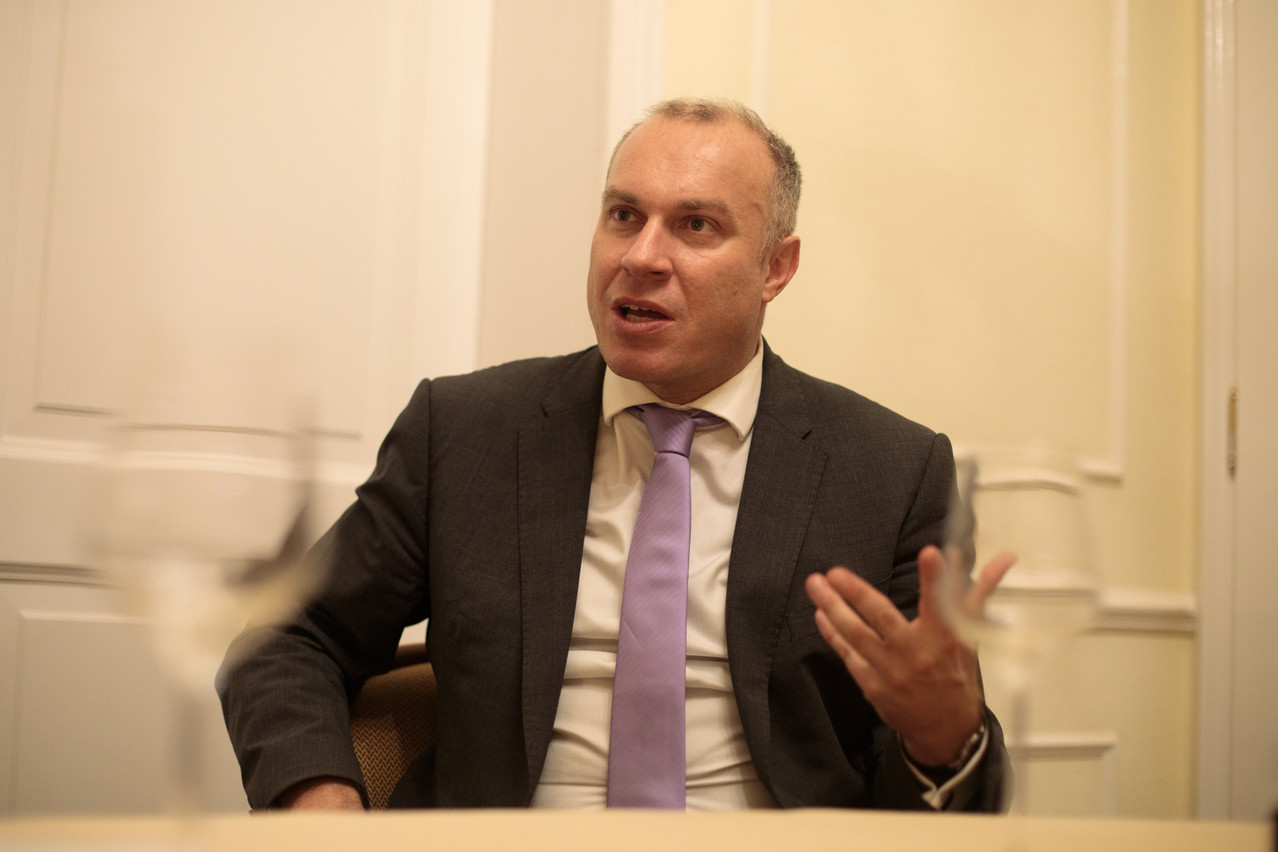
[[649, 252]]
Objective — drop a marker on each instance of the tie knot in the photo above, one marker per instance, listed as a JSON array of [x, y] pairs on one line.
[[671, 429]]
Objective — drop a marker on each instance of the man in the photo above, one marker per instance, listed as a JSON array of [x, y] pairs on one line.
[[503, 504]]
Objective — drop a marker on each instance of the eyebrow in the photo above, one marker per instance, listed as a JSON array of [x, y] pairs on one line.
[[612, 193]]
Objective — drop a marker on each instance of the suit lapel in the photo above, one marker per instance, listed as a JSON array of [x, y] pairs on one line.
[[556, 461], [782, 476]]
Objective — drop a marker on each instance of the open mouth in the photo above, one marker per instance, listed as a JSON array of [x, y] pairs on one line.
[[634, 313]]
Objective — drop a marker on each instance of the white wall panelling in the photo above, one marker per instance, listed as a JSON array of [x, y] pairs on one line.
[[86, 713], [319, 177], [1108, 466], [228, 172], [1082, 769], [636, 63], [454, 61], [1111, 466], [1146, 611]]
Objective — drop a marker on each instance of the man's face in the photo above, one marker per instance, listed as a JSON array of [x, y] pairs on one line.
[[678, 285]]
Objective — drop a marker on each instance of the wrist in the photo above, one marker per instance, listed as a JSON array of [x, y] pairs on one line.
[[947, 757], [321, 794]]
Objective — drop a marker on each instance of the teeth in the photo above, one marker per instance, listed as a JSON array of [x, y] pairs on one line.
[[630, 313]]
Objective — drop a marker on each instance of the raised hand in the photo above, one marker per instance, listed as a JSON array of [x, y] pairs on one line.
[[919, 676]]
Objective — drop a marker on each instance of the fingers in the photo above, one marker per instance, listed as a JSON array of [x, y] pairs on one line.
[[931, 563], [857, 644], [848, 591], [856, 664], [832, 608], [991, 575], [853, 621], [920, 679]]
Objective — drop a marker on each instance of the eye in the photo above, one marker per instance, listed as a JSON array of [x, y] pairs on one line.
[[699, 224], [622, 214]]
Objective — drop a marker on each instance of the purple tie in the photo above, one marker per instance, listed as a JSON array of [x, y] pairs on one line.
[[646, 754]]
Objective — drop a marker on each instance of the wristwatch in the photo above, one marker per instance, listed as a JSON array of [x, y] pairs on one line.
[[969, 748]]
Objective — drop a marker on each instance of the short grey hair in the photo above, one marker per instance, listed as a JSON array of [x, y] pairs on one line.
[[783, 210]]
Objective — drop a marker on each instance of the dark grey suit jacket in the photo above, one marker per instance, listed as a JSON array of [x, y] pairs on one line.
[[475, 517]]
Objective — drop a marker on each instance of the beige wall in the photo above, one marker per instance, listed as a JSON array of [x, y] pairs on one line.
[[545, 172], [1000, 240]]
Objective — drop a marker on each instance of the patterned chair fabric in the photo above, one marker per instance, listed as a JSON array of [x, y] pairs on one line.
[[393, 722]]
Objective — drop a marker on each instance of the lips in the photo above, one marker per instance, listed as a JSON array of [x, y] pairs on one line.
[[640, 314]]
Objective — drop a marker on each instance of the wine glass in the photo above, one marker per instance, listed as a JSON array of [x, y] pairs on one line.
[[1026, 506], [204, 516]]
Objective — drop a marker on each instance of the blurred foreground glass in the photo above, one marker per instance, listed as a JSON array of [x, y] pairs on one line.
[[1028, 502], [204, 516]]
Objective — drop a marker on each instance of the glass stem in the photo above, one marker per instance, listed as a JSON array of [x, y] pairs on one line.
[[186, 754], [1019, 747]]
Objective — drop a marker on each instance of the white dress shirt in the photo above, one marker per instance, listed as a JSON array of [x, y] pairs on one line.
[[720, 772]]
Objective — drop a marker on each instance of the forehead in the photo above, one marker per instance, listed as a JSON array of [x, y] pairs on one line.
[[681, 159]]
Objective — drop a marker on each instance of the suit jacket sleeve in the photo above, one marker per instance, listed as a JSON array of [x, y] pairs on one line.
[[285, 691], [895, 785], [835, 479], [473, 518]]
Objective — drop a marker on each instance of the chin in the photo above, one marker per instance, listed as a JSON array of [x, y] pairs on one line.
[[635, 370], [636, 366]]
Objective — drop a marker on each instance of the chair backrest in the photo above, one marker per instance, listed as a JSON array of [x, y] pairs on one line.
[[393, 722]]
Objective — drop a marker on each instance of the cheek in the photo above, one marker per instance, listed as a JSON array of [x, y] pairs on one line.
[[594, 299], [598, 279], [605, 260], [738, 296], [596, 275]]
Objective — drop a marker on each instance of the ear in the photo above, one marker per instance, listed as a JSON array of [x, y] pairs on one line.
[[783, 262]]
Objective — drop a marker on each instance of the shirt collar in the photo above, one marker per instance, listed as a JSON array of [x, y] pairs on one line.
[[736, 400]]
